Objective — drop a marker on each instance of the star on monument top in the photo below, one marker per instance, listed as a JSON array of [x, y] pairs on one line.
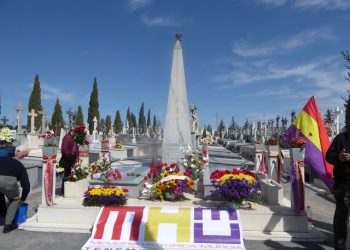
[[178, 36]]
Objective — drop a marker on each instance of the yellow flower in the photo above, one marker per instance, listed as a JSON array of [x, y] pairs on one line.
[[225, 177]]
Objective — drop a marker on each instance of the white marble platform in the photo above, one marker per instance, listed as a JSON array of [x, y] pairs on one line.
[[275, 222]]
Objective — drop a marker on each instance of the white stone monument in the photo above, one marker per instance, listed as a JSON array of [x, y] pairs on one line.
[[177, 129], [32, 115]]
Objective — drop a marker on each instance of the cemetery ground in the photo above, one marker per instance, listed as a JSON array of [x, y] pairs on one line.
[[322, 207]]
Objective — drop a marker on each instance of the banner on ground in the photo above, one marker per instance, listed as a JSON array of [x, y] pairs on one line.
[[148, 227]]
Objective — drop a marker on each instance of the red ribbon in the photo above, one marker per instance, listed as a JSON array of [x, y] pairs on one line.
[[48, 178]]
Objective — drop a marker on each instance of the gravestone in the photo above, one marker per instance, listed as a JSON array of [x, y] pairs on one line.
[[132, 179]]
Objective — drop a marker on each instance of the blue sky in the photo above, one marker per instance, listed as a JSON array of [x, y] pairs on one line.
[[251, 59]]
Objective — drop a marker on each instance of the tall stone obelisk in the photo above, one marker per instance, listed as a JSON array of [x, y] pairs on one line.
[[177, 131]]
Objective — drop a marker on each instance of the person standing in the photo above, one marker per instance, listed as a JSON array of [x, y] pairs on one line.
[[338, 154], [12, 171], [70, 153]]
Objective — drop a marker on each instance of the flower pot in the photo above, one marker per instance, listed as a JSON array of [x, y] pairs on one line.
[[49, 152], [84, 154], [75, 189], [258, 147], [83, 151], [273, 149], [105, 146], [297, 154]]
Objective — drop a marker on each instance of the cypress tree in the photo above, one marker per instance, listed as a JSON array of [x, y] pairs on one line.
[[93, 107], [154, 126], [142, 119], [133, 120], [35, 103], [57, 118], [80, 116], [221, 128], [118, 124], [149, 119], [209, 129], [128, 119], [204, 135], [108, 123]]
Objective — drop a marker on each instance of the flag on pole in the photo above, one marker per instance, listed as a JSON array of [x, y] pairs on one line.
[[309, 125]]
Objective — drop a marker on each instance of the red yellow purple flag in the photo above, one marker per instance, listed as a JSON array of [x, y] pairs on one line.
[[309, 125]]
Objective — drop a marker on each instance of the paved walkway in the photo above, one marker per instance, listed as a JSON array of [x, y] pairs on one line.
[[322, 210]]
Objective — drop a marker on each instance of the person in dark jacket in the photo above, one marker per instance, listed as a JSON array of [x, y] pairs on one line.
[[10, 152], [70, 152], [11, 171], [338, 154]]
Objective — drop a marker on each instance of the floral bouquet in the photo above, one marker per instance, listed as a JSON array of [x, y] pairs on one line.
[[272, 142], [193, 164], [101, 165], [50, 139], [118, 145], [112, 174], [168, 182], [7, 136], [79, 172], [105, 196], [80, 136], [59, 170], [297, 142], [236, 186]]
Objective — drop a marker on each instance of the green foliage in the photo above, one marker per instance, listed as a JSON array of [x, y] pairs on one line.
[[80, 116], [154, 126], [328, 116], [93, 107], [234, 125], [108, 123], [142, 119], [57, 118], [221, 127], [209, 129], [204, 135], [346, 56], [133, 120], [128, 119], [246, 124], [118, 124], [149, 118], [35, 102]]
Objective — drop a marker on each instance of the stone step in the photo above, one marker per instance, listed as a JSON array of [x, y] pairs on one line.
[[33, 225]]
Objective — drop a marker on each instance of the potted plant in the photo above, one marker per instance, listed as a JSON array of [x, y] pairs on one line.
[[50, 144], [105, 196], [168, 183], [7, 136], [239, 187], [80, 137], [77, 182], [258, 146], [297, 150], [272, 145]]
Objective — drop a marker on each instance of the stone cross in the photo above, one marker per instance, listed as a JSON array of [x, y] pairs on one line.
[[19, 110], [70, 118], [43, 114], [4, 120], [32, 114]]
